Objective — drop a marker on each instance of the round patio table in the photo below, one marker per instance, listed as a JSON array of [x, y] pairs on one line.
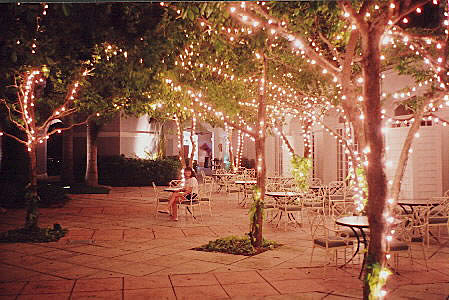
[[277, 196], [173, 189], [245, 194], [282, 194], [222, 178], [411, 203], [360, 223], [245, 181], [224, 175]]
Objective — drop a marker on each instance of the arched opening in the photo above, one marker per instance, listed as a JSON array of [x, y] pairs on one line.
[[54, 150]]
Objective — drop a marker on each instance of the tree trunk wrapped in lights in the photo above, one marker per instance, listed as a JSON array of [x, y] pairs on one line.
[[23, 115], [192, 141], [257, 218], [180, 136], [375, 175], [342, 51]]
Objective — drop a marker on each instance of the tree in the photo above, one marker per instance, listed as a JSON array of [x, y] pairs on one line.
[[203, 68], [40, 84], [129, 81], [25, 114], [340, 43], [350, 50]]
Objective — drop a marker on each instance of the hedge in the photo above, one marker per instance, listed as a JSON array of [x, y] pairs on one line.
[[123, 171], [13, 194]]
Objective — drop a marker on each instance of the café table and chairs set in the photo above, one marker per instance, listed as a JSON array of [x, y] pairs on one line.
[[434, 212], [412, 226], [330, 209], [175, 186]]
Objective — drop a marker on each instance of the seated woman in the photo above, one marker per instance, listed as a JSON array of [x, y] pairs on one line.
[[189, 191]]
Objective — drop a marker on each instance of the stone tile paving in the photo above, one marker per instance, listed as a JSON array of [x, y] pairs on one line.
[[117, 249]]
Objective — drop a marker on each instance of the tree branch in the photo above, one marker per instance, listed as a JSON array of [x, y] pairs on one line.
[[331, 48], [58, 130], [407, 10], [10, 117], [13, 137], [275, 24]]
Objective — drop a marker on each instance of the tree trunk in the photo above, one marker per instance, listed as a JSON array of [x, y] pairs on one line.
[[67, 151], [160, 141], [403, 158], [180, 144], [287, 143], [231, 153], [260, 160], [192, 152], [307, 151], [91, 176], [377, 183], [32, 198], [240, 149]]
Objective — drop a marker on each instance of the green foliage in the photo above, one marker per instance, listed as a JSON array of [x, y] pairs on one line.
[[300, 170], [312, 19], [51, 195], [13, 195], [40, 235], [414, 103], [237, 245], [376, 278], [123, 171], [363, 183]]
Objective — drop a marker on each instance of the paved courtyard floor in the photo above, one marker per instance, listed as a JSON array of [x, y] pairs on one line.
[[117, 249]]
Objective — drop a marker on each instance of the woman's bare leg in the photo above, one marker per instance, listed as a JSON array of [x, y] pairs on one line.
[[172, 204], [174, 209]]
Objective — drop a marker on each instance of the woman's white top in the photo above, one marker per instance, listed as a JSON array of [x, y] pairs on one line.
[[192, 182]]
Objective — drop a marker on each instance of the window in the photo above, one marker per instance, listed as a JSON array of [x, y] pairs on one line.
[[342, 157], [313, 153], [403, 115]]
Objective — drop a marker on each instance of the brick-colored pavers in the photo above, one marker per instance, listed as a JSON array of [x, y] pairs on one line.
[[117, 249]]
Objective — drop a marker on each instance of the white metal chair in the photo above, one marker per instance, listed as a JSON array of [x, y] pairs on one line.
[[315, 181], [220, 181], [250, 173], [205, 195], [175, 183], [209, 180], [290, 208], [269, 202], [340, 210], [189, 206], [160, 198], [438, 216], [412, 229], [336, 192], [314, 201], [232, 187], [288, 184], [327, 238]]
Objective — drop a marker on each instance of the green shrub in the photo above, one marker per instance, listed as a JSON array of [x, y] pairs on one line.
[[41, 235], [123, 171], [13, 195], [51, 195], [237, 245]]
